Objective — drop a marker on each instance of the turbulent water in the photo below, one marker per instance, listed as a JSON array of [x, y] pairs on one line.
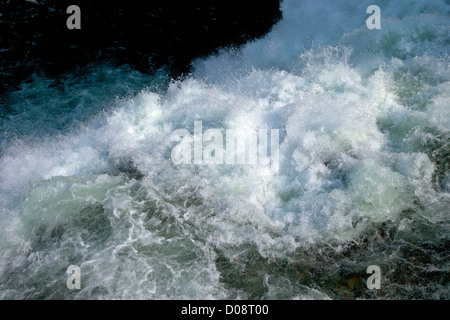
[[86, 176]]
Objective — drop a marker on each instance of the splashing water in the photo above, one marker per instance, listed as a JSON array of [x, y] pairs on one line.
[[364, 115]]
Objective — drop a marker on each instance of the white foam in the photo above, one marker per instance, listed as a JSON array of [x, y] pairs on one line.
[[350, 104]]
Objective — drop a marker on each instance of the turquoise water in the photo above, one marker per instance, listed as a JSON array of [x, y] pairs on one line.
[[86, 176]]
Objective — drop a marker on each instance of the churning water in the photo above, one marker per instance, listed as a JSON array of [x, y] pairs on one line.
[[86, 176]]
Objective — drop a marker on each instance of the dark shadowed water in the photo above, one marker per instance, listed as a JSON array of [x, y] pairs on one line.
[[86, 176]]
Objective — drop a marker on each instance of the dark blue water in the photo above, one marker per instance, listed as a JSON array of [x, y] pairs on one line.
[[86, 176]]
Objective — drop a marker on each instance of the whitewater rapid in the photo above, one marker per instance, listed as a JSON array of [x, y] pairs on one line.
[[86, 176]]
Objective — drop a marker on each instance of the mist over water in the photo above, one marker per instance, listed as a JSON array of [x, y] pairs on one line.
[[86, 176]]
